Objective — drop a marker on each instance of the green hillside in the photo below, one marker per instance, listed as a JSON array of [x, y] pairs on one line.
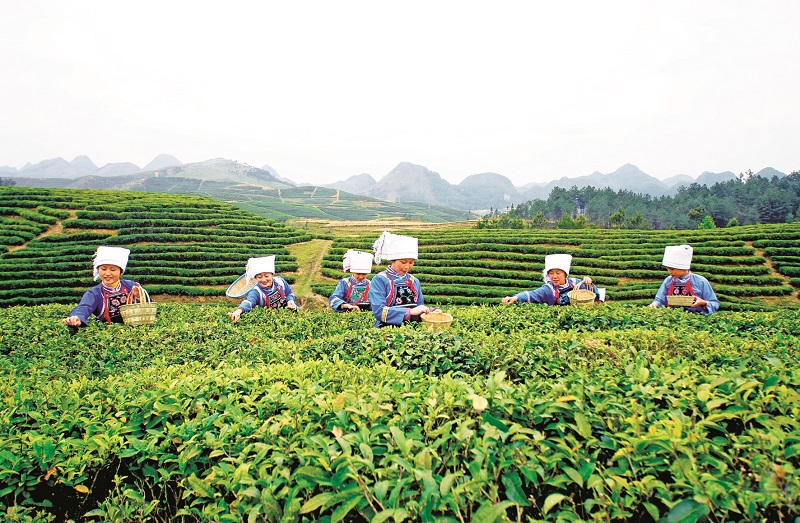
[[180, 245], [750, 268], [192, 246], [611, 413]]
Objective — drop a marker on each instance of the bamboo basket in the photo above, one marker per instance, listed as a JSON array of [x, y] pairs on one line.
[[680, 301], [240, 287], [142, 313], [437, 321], [581, 297]]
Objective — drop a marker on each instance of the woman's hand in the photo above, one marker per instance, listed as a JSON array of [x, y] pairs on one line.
[[699, 302], [72, 321], [422, 309], [349, 306], [234, 315], [508, 300], [587, 281], [291, 305]]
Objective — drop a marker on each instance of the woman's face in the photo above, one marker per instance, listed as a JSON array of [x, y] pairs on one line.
[[677, 273], [557, 276], [264, 279], [403, 265], [109, 274], [359, 276]]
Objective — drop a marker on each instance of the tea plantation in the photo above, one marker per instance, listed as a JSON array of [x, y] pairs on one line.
[[615, 412], [750, 268], [522, 413], [180, 245]]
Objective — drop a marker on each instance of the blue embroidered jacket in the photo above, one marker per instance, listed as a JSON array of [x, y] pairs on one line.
[[391, 295], [348, 290], [94, 302], [552, 295], [693, 284], [275, 296]]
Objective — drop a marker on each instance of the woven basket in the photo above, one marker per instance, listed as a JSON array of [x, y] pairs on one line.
[[680, 301], [581, 297], [240, 287], [437, 321], [142, 313]]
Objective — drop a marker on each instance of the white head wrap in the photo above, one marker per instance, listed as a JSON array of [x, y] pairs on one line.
[[395, 247], [259, 265], [678, 256], [556, 261], [357, 261], [110, 256]]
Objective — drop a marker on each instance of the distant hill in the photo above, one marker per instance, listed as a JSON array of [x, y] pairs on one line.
[[161, 161], [709, 179], [769, 172], [414, 183], [217, 170], [626, 178], [358, 184], [678, 180], [83, 163], [407, 182]]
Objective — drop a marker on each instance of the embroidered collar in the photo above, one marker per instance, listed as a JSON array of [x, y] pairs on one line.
[[115, 289], [683, 279], [394, 274]]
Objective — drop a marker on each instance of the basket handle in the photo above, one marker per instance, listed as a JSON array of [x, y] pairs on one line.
[[144, 297]]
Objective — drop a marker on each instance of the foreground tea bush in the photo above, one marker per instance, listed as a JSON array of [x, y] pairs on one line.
[[524, 413]]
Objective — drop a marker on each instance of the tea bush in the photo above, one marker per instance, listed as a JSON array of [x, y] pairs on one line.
[[608, 413]]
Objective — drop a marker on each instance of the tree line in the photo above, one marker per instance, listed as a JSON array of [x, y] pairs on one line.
[[748, 199]]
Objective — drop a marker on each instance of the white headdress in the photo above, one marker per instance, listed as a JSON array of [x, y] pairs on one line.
[[357, 261], [110, 256], [395, 247], [678, 256], [556, 261], [259, 265]]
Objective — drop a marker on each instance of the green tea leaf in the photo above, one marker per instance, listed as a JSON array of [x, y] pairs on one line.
[[584, 428], [551, 501], [687, 511], [491, 513]]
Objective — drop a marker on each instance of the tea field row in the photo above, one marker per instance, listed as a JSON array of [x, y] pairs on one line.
[[750, 268], [180, 244], [614, 413]]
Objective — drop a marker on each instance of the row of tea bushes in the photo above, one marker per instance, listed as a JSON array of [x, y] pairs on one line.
[[460, 265], [180, 245], [526, 413]]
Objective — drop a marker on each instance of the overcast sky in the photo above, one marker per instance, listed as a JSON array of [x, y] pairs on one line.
[[322, 91]]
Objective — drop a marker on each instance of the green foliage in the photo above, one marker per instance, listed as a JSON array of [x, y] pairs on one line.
[[706, 223], [751, 199], [183, 245], [608, 413]]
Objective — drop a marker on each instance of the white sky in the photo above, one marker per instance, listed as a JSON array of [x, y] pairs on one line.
[[324, 90]]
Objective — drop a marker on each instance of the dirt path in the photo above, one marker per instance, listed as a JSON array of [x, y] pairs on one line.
[[773, 272], [56, 228], [309, 260]]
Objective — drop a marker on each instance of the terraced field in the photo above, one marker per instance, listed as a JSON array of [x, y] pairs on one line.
[[750, 268], [195, 246], [180, 245]]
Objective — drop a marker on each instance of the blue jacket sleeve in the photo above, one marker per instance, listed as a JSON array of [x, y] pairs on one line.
[[337, 299], [379, 294], [249, 301], [90, 303], [543, 294], [287, 289], [661, 296]]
